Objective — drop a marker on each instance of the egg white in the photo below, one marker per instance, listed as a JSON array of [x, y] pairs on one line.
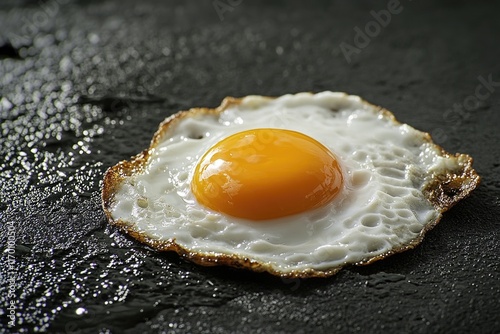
[[381, 208]]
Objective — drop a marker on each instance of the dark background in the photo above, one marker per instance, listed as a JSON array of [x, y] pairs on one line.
[[84, 84]]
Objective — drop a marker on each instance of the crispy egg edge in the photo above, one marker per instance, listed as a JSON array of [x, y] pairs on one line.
[[442, 191]]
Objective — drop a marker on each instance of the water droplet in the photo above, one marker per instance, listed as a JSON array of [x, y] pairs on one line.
[[80, 311]]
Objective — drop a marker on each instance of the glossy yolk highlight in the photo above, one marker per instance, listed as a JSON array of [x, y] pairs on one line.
[[266, 173]]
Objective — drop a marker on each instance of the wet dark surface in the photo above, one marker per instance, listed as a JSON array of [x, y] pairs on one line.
[[84, 84]]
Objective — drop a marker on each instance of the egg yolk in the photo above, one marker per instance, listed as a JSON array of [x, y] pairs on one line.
[[263, 174]]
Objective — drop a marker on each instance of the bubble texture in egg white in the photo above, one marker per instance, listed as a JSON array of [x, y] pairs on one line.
[[381, 207]]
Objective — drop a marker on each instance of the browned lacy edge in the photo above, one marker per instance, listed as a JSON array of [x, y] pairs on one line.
[[442, 191]]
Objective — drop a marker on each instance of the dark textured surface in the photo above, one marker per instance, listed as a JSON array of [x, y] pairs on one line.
[[84, 84]]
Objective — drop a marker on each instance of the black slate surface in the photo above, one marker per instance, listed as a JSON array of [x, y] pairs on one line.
[[84, 84]]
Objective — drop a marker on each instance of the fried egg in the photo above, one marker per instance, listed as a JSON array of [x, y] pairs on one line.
[[298, 186]]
